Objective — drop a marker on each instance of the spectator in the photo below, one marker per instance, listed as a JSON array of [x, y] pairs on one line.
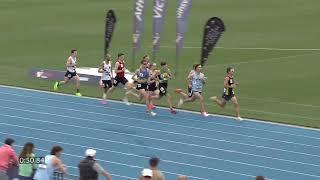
[[26, 169], [157, 175], [259, 178], [89, 169], [182, 177], [52, 164], [8, 158], [146, 174]]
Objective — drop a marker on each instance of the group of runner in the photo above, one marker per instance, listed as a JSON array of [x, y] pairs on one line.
[[150, 83]]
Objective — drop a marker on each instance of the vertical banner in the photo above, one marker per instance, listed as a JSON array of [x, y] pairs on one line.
[[183, 10], [212, 32], [109, 28], [159, 12], [138, 25]]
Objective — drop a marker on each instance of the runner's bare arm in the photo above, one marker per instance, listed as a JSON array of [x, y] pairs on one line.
[[69, 62], [101, 70]]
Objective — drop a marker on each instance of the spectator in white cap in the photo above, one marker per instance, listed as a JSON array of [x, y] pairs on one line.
[[146, 174], [89, 169]]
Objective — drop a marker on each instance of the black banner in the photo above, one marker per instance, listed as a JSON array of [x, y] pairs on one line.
[[212, 32], [110, 23]]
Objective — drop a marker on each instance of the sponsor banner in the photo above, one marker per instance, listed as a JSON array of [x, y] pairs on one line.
[[138, 23], [109, 28], [87, 75], [159, 12], [182, 12], [212, 32]]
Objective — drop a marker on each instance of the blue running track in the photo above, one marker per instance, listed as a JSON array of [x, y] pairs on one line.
[[125, 137]]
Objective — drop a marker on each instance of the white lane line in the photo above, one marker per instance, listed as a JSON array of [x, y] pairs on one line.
[[213, 148], [166, 108], [119, 109], [134, 166], [176, 142], [206, 138], [158, 139], [117, 152], [179, 152], [287, 171], [170, 88]]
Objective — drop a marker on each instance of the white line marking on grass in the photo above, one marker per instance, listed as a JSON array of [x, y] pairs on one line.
[[273, 100], [274, 113], [137, 127], [119, 109], [260, 60], [249, 48], [166, 108], [278, 101]]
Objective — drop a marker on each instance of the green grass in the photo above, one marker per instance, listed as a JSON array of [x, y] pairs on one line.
[[279, 86]]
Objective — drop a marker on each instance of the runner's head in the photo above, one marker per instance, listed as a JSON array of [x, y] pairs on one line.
[[146, 57], [197, 67], [230, 71], [144, 64], [108, 58], [163, 64], [121, 56], [74, 53]]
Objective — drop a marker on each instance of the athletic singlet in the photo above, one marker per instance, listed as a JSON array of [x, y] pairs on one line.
[[197, 82], [152, 75], [143, 74], [106, 75], [71, 68], [164, 75], [120, 67], [229, 91]]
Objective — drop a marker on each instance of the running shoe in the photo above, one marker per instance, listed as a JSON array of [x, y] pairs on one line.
[[55, 86]]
